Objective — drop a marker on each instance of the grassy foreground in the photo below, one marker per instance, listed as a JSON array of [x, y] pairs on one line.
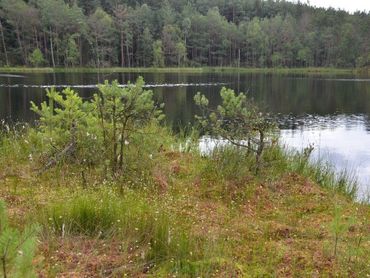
[[312, 71], [177, 213]]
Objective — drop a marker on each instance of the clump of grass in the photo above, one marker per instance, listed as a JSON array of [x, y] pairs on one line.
[[229, 163], [232, 162], [15, 145], [102, 213], [325, 175], [280, 160], [187, 139], [216, 267], [225, 173], [165, 242], [211, 259], [17, 248], [129, 217]]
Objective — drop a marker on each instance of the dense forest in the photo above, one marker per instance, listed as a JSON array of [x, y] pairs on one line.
[[142, 33]]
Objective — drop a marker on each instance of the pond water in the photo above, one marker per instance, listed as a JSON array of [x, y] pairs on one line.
[[331, 112]]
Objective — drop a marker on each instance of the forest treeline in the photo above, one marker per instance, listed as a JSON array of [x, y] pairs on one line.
[[142, 33]]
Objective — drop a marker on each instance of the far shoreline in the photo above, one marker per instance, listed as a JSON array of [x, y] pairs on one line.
[[304, 71]]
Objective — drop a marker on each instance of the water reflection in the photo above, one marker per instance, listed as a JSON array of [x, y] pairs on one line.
[[287, 95], [342, 140]]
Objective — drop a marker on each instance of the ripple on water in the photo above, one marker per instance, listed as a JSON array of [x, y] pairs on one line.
[[92, 86], [343, 141]]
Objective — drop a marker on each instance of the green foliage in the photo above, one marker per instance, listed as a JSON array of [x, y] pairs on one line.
[[72, 52], [59, 22], [65, 120], [101, 28], [143, 155], [181, 54], [277, 60], [236, 120], [16, 248], [121, 112], [236, 33], [36, 58], [338, 227], [214, 218], [92, 132], [147, 48], [305, 56], [102, 214], [158, 55], [363, 61], [226, 173], [240, 33], [324, 174]]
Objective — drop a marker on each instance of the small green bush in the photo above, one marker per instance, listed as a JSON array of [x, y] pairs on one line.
[[36, 58], [95, 132], [238, 121]]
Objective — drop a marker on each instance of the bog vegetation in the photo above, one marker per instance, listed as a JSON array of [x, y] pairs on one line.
[[128, 33], [91, 132], [107, 190]]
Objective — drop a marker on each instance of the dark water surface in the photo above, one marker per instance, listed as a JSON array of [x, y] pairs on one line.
[[331, 112]]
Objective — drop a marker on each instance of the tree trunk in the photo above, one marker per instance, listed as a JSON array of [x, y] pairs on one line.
[[209, 56], [80, 49], [4, 267], [252, 57], [260, 148], [36, 38], [97, 52], [128, 56], [20, 44], [115, 143], [231, 55], [122, 143], [122, 50], [239, 58], [46, 47], [4, 45], [57, 49], [52, 49]]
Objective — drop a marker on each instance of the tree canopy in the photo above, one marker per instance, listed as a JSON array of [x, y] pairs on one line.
[[133, 33]]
